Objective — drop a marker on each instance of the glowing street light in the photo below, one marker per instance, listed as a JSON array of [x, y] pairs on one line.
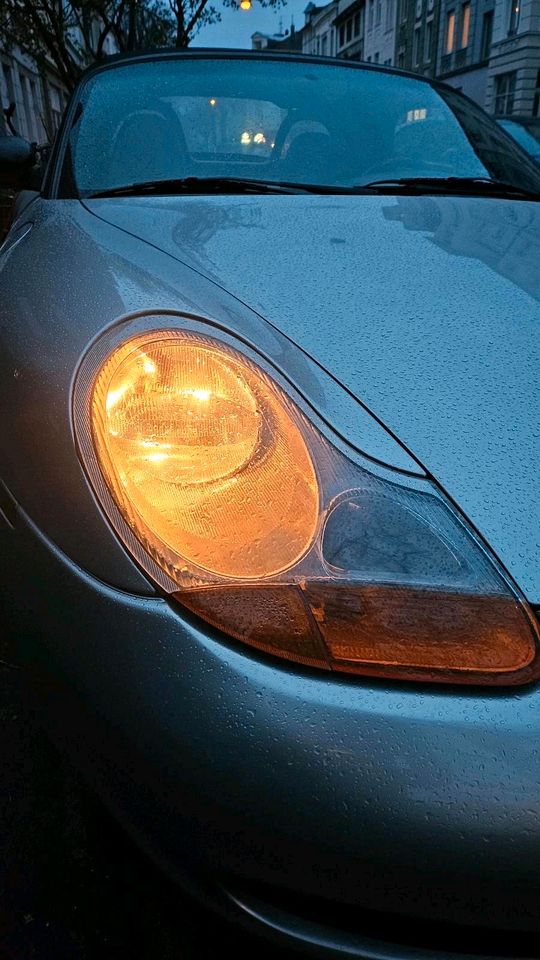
[[245, 4], [212, 101]]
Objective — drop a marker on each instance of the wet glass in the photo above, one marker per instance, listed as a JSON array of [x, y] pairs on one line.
[[290, 121]]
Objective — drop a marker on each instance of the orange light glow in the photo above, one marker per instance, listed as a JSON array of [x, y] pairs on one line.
[[245, 4], [203, 459]]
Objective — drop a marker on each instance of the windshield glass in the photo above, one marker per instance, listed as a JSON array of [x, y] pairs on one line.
[[293, 121], [523, 137]]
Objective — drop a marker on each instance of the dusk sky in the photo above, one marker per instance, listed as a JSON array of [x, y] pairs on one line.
[[237, 26]]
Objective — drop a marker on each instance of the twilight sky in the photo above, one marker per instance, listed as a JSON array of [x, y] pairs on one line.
[[237, 26]]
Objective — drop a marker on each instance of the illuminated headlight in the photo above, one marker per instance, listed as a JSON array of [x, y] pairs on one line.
[[238, 506]]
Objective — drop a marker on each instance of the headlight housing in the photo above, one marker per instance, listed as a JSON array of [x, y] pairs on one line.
[[238, 505]]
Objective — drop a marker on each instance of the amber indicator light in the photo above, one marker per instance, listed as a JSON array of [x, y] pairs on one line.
[[379, 631]]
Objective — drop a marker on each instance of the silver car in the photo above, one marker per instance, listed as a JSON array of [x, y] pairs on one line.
[[270, 490]]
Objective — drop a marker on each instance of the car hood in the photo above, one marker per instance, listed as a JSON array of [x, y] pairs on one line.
[[426, 309]]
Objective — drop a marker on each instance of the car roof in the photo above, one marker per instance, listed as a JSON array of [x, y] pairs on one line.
[[227, 53]]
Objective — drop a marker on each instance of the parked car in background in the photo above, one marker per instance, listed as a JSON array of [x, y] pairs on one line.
[[526, 133], [269, 374]]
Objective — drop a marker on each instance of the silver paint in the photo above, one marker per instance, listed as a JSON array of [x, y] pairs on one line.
[[67, 279], [426, 309]]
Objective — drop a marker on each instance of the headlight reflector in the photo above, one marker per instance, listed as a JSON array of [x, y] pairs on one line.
[[203, 459]]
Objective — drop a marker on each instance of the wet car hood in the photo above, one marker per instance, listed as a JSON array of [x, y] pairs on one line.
[[426, 309]]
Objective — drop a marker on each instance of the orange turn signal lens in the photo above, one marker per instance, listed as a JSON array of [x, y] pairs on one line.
[[382, 631]]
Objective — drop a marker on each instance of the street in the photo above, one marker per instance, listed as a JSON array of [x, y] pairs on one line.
[[72, 887]]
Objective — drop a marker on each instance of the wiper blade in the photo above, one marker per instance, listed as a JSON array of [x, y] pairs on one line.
[[458, 186], [219, 185]]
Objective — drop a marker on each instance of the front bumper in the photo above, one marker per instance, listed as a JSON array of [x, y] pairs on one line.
[[238, 772]]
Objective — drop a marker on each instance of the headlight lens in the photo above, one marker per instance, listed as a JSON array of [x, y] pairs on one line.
[[203, 459], [238, 506]]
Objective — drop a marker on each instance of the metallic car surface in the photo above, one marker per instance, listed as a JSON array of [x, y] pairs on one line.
[[404, 800], [425, 308], [85, 276], [409, 326]]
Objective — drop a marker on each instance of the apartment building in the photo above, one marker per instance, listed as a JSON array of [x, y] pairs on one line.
[[350, 25], [351, 30], [513, 74], [319, 33], [380, 34], [465, 43], [34, 102], [290, 40], [416, 36]]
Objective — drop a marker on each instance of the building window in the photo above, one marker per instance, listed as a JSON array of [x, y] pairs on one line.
[[536, 102], [378, 14], [465, 24], [416, 47], [342, 34], [371, 8], [428, 40], [8, 80], [349, 30], [376, 58], [513, 23], [487, 35], [505, 88], [356, 24], [450, 31], [403, 11], [401, 59]]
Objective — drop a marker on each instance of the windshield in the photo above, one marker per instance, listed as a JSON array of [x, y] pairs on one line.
[[292, 121], [523, 137]]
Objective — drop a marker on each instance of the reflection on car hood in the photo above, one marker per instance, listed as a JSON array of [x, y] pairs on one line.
[[426, 308]]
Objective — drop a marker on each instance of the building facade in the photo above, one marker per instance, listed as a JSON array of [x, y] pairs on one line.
[[290, 40], [380, 39], [489, 49], [32, 102], [350, 25], [513, 80], [416, 32], [465, 45], [319, 31]]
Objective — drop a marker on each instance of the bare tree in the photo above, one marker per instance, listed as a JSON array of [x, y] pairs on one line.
[[68, 35], [190, 15]]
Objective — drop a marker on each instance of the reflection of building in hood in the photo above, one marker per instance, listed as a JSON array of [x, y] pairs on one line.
[[504, 235]]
